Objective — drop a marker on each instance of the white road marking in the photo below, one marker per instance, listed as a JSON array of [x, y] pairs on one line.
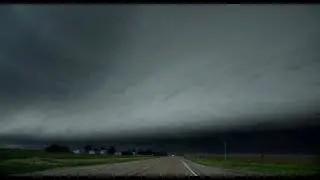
[[189, 168]]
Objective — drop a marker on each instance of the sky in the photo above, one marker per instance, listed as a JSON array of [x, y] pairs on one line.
[[78, 73]]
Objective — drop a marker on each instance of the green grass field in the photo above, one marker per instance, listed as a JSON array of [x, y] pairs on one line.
[[24, 161], [279, 164]]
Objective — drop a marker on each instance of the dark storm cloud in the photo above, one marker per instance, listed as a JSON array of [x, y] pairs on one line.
[[57, 52], [252, 139], [87, 72]]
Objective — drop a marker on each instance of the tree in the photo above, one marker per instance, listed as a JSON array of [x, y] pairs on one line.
[[103, 148], [160, 153], [141, 152], [57, 148], [148, 152], [96, 149], [145, 152], [112, 150], [87, 148], [128, 152]]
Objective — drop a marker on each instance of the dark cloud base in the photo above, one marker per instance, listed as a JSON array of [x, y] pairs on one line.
[[266, 137]]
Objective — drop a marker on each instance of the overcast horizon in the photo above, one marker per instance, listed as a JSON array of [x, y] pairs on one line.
[[153, 72]]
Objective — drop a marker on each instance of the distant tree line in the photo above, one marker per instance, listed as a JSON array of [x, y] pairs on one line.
[[111, 150], [57, 148], [151, 152]]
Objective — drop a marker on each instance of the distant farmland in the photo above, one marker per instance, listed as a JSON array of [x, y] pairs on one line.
[[15, 161], [278, 164]]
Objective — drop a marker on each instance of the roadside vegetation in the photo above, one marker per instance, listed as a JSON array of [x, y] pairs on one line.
[[16, 161], [274, 164]]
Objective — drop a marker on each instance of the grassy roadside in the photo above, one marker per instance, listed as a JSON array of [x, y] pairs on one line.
[[25, 161], [282, 165]]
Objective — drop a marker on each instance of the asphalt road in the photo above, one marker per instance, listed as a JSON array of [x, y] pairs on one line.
[[164, 166]]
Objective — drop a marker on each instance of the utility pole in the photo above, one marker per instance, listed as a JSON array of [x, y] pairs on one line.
[[225, 150]]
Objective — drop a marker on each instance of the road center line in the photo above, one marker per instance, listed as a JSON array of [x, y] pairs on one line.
[[189, 168]]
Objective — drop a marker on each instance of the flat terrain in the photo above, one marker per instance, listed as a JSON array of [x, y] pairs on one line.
[[163, 166], [38, 163], [269, 164], [23, 161]]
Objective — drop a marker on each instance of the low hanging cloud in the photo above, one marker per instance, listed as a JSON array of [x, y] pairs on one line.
[[85, 71]]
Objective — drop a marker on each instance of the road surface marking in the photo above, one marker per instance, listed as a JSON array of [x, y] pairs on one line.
[[189, 168]]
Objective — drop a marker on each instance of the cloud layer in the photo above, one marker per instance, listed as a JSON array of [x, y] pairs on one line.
[[76, 72]]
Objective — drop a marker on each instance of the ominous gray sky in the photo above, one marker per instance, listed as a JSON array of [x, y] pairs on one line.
[[73, 72]]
